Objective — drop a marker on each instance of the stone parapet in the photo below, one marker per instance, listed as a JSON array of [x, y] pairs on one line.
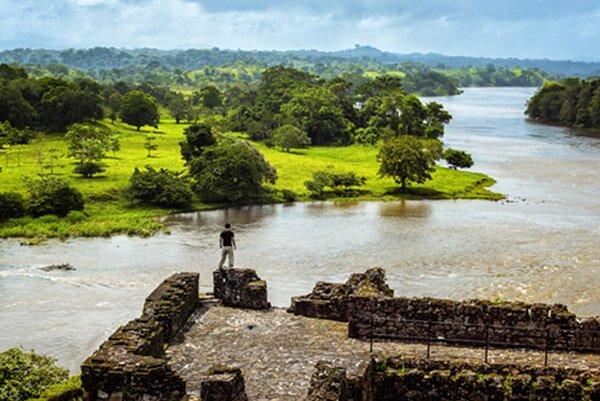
[[398, 378], [474, 322], [131, 364], [331, 300], [240, 288]]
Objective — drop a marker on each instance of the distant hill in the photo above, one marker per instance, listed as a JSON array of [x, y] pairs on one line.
[[103, 58]]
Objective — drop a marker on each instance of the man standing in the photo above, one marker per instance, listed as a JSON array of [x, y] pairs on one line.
[[227, 245]]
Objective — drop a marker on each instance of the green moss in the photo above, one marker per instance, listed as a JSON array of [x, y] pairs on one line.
[[69, 390]]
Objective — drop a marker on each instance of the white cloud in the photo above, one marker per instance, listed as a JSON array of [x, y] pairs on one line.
[[459, 28]]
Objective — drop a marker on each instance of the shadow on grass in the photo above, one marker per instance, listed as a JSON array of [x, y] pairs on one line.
[[417, 193], [346, 193]]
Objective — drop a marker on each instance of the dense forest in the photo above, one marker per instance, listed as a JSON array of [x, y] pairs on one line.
[[195, 68], [571, 102]]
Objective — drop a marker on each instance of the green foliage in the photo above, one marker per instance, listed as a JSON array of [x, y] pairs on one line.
[[458, 158], [287, 136], [25, 375], [232, 171], [406, 159], [178, 107], [12, 205], [288, 195], [69, 390], [197, 137], [139, 109], [52, 195], [339, 183], [160, 187], [149, 144], [13, 136], [210, 97], [88, 169], [572, 102]]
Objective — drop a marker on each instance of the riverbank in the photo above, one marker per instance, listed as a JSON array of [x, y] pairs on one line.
[[109, 212]]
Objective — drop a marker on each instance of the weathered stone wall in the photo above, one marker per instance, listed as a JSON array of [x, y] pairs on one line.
[[509, 324], [240, 288], [392, 379], [332, 383], [330, 300], [420, 380], [130, 365], [223, 383]]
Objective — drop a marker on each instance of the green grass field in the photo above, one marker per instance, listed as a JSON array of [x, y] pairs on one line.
[[110, 212]]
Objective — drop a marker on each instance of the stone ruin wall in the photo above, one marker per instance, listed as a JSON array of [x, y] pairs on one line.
[[331, 300], [392, 379], [240, 288], [367, 303], [473, 322], [131, 364]]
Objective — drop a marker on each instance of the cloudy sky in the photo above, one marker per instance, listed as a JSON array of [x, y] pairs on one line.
[[556, 29]]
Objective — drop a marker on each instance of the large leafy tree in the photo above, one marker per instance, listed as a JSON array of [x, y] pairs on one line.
[[138, 109], [232, 171], [197, 137], [319, 113], [287, 136], [406, 159]]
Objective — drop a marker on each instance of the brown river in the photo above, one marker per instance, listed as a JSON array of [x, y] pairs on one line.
[[543, 245]]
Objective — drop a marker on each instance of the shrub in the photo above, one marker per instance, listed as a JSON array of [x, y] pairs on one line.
[[458, 158], [287, 136], [288, 196], [88, 169], [76, 216], [24, 375], [12, 205], [52, 195], [69, 390], [339, 183], [162, 188]]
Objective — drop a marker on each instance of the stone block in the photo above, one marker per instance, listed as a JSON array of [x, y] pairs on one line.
[[240, 288], [223, 383]]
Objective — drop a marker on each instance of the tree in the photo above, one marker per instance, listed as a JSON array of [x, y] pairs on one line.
[[287, 136], [26, 375], [139, 109], [232, 171], [197, 137], [405, 159], [149, 144], [178, 107], [114, 103], [211, 97], [88, 144], [458, 158]]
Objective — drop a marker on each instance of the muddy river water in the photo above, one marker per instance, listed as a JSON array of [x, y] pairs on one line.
[[541, 246]]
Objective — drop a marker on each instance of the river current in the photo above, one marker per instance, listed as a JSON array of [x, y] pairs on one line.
[[543, 245]]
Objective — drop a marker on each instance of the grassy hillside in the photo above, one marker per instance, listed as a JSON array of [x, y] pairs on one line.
[[110, 212]]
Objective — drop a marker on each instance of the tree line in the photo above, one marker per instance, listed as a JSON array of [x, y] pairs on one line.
[[572, 102]]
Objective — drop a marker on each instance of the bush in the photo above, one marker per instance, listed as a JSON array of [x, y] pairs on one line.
[[76, 216], [25, 375], [12, 205], [52, 195], [69, 390], [162, 188], [88, 169], [458, 158], [339, 183], [288, 196]]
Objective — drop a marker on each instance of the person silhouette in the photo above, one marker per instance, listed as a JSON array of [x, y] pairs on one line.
[[227, 246]]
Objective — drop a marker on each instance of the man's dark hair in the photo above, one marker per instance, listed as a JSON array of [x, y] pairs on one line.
[[227, 225]]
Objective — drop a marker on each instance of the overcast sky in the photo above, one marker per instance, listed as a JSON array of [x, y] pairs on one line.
[[555, 29]]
